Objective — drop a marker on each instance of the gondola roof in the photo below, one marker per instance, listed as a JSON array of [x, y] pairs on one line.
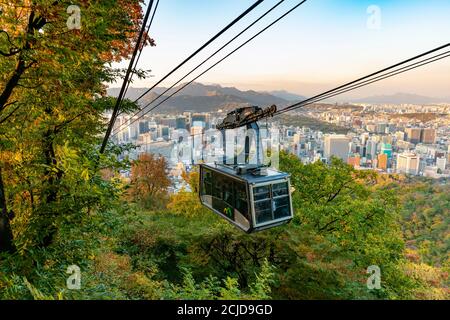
[[272, 174]]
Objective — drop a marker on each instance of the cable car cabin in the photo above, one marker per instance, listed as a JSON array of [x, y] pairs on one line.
[[249, 201]]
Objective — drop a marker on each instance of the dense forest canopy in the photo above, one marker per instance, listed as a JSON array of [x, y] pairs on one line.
[[64, 204]]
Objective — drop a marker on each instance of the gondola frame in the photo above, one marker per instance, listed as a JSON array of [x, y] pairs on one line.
[[251, 182]]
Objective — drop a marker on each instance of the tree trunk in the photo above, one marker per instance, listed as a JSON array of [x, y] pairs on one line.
[[6, 236], [11, 84], [50, 194]]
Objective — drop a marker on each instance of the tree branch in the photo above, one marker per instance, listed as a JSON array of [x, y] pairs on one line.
[[30, 87], [65, 123], [333, 196], [11, 113], [12, 51], [327, 225], [34, 24]]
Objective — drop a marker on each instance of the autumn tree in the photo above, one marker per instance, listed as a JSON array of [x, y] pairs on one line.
[[52, 80], [149, 180], [186, 202]]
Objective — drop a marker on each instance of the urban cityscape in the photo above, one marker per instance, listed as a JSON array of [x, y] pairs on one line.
[[405, 139]]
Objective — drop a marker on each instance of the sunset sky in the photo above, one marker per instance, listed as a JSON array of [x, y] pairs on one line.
[[322, 44]]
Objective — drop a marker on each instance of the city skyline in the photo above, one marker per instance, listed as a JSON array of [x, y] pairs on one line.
[[395, 140], [337, 37]]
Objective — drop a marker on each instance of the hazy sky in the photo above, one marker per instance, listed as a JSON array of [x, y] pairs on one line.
[[322, 44]]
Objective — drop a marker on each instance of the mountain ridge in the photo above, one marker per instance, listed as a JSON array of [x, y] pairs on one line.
[[199, 97], [286, 95], [204, 98], [401, 98]]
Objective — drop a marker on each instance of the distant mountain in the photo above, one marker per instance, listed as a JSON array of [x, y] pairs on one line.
[[287, 95], [203, 98], [133, 93], [400, 98]]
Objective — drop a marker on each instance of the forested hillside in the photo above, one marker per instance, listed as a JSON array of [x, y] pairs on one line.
[[345, 220], [426, 221]]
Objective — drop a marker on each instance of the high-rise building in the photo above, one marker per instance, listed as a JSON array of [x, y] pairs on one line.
[[371, 150], [405, 145], [163, 132], [408, 163], [371, 128], [441, 163], [143, 127], [382, 161], [336, 145], [386, 148], [188, 117], [197, 130], [200, 120], [181, 123], [289, 133], [381, 127], [353, 146], [152, 126], [364, 151], [153, 130], [400, 135], [386, 139], [169, 121], [448, 154], [413, 134], [354, 160], [428, 136], [364, 138], [133, 131], [298, 138]]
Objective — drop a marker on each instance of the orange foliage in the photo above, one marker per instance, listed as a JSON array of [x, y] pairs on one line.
[[148, 177]]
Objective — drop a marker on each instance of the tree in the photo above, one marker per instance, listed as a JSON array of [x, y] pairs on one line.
[[187, 202], [354, 216], [50, 84], [149, 179]]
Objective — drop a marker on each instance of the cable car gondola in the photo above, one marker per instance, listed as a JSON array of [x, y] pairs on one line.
[[250, 202], [252, 197]]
